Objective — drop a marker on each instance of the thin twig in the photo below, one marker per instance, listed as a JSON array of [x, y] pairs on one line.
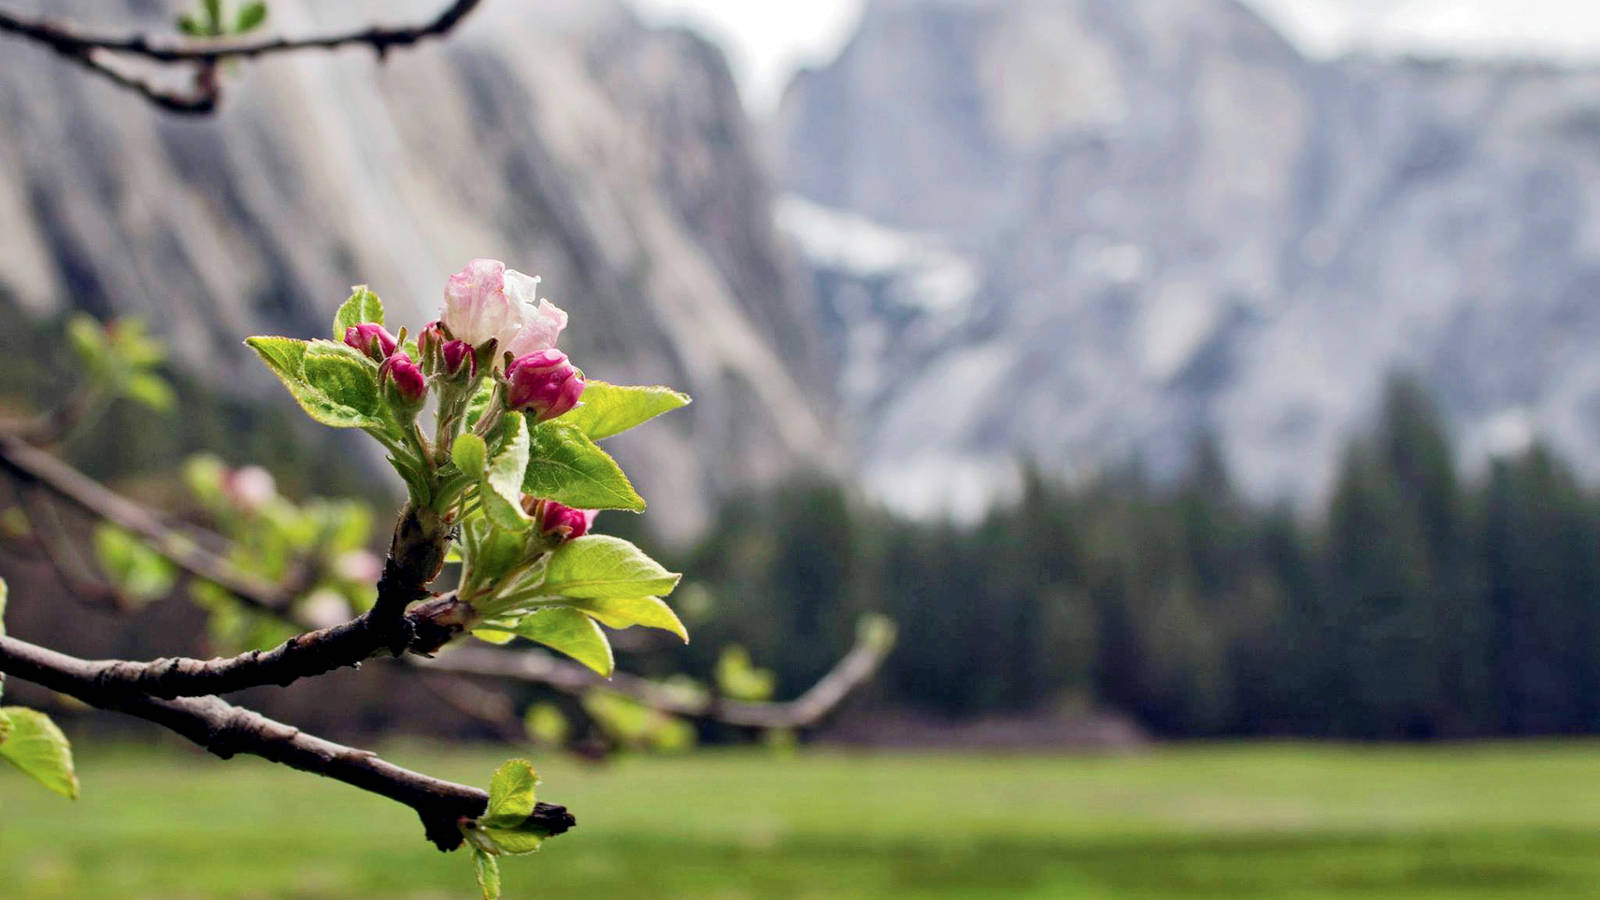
[[227, 730], [65, 38], [92, 51], [528, 664]]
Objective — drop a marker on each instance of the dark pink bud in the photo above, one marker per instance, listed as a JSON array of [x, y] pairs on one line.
[[402, 381], [457, 359], [543, 382], [564, 521], [370, 338], [443, 355]]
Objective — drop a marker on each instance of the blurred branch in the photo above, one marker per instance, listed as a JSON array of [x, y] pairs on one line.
[[94, 51], [32, 466], [52, 545], [853, 669], [226, 730]]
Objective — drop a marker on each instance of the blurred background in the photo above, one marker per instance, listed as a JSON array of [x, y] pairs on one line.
[[1207, 389]]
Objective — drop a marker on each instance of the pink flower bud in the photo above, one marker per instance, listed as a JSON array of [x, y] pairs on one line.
[[370, 338], [564, 521], [544, 383], [442, 355], [456, 358], [402, 381], [250, 487], [430, 338]]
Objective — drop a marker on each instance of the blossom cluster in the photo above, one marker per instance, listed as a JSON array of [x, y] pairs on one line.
[[492, 320]]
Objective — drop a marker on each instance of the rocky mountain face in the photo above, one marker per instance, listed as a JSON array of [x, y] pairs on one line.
[[1084, 230], [559, 135]]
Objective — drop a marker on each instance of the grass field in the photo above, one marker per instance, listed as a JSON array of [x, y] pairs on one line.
[[1501, 820]]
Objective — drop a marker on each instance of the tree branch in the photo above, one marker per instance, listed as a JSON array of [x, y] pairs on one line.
[[227, 730], [90, 51]]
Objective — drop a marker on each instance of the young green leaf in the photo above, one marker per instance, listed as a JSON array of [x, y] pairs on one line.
[[518, 840], [491, 552], [602, 566], [487, 869], [470, 454], [739, 679], [511, 796], [150, 391], [500, 488], [546, 724], [250, 16], [571, 632], [36, 746], [288, 359], [626, 612], [138, 572], [479, 401], [564, 465], [87, 337], [609, 409], [363, 305], [344, 376]]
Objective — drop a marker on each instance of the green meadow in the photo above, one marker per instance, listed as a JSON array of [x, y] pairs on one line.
[[1225, 820]]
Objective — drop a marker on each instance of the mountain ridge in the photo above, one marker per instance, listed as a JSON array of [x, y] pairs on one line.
[[1181, 225]]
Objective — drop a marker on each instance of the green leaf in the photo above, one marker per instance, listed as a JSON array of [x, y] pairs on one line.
[[470, 454], [491, 552], [626, 612], [500, 488], [547, 725], [138, 572], [608, 409], [510, 794], [191, 26], [487, 869], [151, 391], [250, 16], [737, 678], [87, 337], [571, 632], [288, 359], [363, 305], [344, 376], [213, 10], [605, 567], [517, 841], [479, 401], [36, 746], [564, 465]]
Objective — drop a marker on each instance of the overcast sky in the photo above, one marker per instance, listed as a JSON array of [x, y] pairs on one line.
[[767, 39]]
